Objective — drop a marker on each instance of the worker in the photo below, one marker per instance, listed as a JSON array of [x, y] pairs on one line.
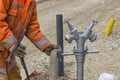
[[15, 17]]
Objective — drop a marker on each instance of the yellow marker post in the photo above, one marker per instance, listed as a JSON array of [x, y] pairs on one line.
[[109, 27]]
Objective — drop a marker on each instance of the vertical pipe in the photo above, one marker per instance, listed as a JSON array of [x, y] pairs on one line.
[[80, 66], [59, 23]]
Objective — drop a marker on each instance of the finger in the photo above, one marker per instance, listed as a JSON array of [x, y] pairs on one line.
[[55, 46], [20, 49], [21, 56], [21, 53], [22, 46]]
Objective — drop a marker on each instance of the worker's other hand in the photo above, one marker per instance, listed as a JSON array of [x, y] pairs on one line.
[[20, 51], [52, 47]]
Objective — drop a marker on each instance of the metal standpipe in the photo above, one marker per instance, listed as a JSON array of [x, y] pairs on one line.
[[59, 25], [80, 66], [80, 50]]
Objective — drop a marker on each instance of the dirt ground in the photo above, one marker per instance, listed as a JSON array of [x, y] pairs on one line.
[[81, 13]]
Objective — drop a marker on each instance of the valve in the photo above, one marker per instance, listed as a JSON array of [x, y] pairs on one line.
[[74, 34], [92, 37]]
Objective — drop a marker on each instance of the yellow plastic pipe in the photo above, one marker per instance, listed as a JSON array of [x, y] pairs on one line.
[[109, 27]]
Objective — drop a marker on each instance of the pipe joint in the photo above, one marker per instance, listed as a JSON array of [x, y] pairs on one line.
[[92, 37]]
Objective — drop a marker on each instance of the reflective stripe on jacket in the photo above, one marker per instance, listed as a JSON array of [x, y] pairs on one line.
[[15, 16]]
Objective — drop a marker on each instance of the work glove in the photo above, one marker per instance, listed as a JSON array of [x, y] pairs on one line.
[[52, 47], [20, 51]]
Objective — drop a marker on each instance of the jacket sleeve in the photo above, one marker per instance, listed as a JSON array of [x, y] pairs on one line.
[[7, 38], [34, 33]]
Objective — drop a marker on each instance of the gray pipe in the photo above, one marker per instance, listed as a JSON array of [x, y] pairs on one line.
[[59, 26], [80, 66]]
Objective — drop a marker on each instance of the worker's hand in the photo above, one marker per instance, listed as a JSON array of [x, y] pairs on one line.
[[20, 51], [52, 47]]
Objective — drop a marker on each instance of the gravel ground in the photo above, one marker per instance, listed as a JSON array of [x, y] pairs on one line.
[[81, 12]]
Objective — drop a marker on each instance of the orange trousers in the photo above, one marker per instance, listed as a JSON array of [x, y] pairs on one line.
[[13, 74]]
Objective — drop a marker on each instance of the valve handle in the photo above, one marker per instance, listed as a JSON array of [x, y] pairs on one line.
[[67, 20], [94, 21], [71, 28], [92, 24], [94, 51]]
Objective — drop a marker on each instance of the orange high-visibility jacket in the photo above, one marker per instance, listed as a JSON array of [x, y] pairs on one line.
[[15, 16]]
